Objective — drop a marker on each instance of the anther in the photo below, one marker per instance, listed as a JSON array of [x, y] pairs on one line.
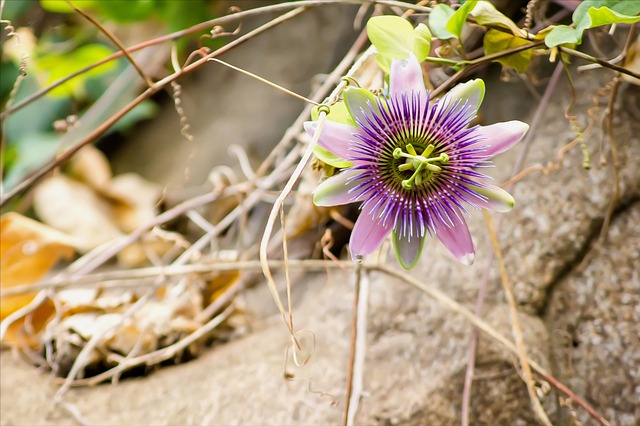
[[428, 150], [411, 150]]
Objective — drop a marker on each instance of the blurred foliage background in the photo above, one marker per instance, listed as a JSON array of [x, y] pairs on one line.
[[52, 42]]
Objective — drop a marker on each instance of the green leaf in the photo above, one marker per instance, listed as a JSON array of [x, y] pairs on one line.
[[37, 117], [592, 17], [456, 22], [393, 38], [486, 14], [32, 152], [562, 34], [624, 7], [59, 65], [605, 16], [497, 41], [126, 10], [438, 19], [60, 6], [421, 42]]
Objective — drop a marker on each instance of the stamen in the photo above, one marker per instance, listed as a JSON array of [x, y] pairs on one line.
[[411, 150]]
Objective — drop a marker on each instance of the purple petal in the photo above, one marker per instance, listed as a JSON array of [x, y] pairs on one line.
[[334, 137], [406, 76], [501, 136], [497, 199], [368, 234], [457, 239], [335, 190], [407, 250]]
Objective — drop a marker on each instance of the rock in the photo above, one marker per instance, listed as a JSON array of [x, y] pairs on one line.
[[593, 315], [224, 107]]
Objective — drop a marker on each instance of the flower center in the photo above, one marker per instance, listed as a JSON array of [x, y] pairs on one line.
[[422, 165]]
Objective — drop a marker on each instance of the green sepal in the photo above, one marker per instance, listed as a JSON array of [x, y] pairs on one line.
[[330, 158], [356, 98], [412, 262], [472, 90]]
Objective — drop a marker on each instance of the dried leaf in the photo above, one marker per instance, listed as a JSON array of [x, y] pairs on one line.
[[28, 249], [74, 208], [136, 199], [90, 166]]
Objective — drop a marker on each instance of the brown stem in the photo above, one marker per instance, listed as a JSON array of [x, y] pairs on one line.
[[598, 61], [469, 65]]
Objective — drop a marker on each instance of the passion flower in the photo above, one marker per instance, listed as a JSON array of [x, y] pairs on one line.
[[414, 164]]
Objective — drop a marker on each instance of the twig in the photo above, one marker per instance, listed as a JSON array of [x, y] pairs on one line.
[[110, 279], [470, 65], [447, 303], [160, 355], [83, 357], [615, 162], [612, 143], [264, 80], [320, 94], [74, 412], [114, 40], [473, 346], [357, 351], [264, 243], [604, 63], [516, 328]]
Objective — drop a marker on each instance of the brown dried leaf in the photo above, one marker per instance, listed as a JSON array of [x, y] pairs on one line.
[[136, 200], [28, 249], [90, 166], [74, 208]]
